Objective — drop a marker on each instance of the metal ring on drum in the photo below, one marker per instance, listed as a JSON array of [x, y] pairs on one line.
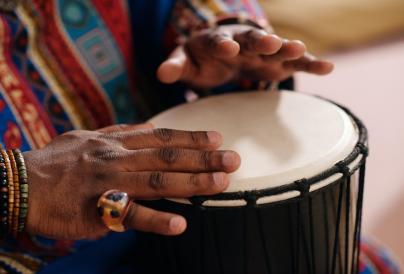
[[295, 204]]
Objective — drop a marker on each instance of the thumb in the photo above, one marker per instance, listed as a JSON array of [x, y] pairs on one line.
[[172, 69]]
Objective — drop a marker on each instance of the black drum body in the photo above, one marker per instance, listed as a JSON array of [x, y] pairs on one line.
[[315, 231]]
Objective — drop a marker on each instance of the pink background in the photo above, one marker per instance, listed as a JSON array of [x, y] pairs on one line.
[[371, 83]]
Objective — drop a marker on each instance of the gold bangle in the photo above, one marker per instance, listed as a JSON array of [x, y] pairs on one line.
[[23, 188], [16, 212]]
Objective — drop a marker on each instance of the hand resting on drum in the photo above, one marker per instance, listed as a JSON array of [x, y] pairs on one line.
[[69, 175], [227, 53]]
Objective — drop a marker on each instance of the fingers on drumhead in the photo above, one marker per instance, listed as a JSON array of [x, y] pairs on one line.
[[162, 137], [180, 160], [154, 185], [150, 220]]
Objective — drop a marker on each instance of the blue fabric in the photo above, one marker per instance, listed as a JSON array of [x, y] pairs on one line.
[[108, 255], [149, 20]]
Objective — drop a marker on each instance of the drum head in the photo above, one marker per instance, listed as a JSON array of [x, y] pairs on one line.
[[280, 136]]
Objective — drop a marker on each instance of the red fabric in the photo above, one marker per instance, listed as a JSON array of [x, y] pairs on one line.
[[84, 87], [33, 117]]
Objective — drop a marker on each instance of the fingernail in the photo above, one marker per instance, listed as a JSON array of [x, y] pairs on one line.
[[176, 224], [214, 137], [228, 159], [220, 179]]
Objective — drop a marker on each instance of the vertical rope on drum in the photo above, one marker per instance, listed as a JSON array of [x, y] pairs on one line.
[[264, 242], [217, 245], [347, 221], [336, 238], [245, 253], [306, 245], [298, 239], [362, 172], [292, 247], [326, 231], [203, 227], [313, 251], [303, 187], [345, 182]]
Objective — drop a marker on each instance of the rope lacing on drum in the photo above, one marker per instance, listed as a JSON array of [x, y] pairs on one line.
[[197, 201], [303, 186], [251, 197], [343, 168], [363, 149]]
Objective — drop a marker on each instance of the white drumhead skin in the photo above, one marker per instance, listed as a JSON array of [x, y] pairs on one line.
[[280, 136]]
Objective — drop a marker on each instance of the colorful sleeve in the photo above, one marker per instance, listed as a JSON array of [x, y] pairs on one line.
[[191, 15]]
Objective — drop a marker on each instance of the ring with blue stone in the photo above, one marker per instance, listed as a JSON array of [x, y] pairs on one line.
[[112, 207]]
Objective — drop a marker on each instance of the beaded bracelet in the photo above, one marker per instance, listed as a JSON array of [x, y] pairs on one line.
[[13, 192], [3, 196], [10, 180], [23, 184], [16, 211]]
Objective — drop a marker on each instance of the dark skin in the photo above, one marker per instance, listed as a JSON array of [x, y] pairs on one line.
[[216, 56], [68, 176]]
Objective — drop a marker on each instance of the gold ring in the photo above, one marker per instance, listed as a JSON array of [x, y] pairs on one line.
[[112, 207]]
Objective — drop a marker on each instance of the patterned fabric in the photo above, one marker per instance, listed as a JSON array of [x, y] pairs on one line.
[[376, 260], [69, 64]]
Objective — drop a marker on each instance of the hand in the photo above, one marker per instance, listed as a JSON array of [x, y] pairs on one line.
[[68, 176], [213, 57]]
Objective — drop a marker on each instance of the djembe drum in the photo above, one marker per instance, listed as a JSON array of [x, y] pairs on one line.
[[295, 204]]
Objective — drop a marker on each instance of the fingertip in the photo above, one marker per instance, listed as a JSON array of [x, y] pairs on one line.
[[177, 225], [269, 44], [296, 49], [321, 67], [231, 161], [215, 138], [170, 71], [328, 67], [221, 180], [227, 48]]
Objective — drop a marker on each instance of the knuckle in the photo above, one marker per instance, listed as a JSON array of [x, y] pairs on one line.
[[157, 181], [165, 135], [169, 155], [131, 217], [199, 138], [205, 159], [104, 154], [97, 141], [194, 181], [216, 37]]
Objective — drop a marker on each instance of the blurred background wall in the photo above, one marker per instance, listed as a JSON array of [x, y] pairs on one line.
[[365, 39]]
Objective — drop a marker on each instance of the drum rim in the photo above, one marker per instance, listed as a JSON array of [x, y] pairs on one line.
[[302, 185]]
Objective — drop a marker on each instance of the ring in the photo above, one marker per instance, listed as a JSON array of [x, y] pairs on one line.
[[112, 207]]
